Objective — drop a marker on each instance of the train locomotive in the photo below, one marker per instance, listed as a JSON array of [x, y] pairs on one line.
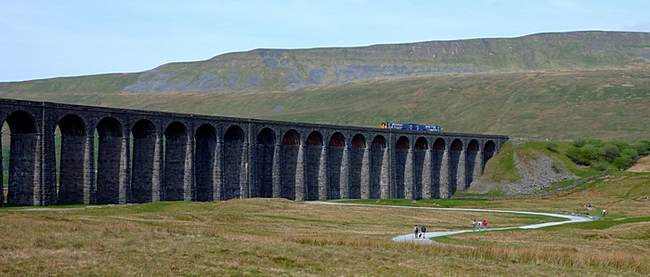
[[431, 128]]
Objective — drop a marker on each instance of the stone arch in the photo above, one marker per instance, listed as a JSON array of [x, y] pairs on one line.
[[145, 167], [109, 161], [402, 147], [455, 151], [378, 167], [234, 143], [437, 154], [264, 151], [472, 152], [335, 150], [420, 148], [358, 145], [176, 162], [489, 149], [22, 159], [72, 184], [205, 143], [290, 144], [313, 149]]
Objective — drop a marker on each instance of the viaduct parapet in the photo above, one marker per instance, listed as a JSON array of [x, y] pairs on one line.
[[109, 155]]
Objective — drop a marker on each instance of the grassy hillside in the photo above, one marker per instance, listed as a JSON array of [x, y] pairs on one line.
[[609, 104], [288, 70], [103, 83]]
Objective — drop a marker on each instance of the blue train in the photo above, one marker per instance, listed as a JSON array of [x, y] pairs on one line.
[[433, 128]]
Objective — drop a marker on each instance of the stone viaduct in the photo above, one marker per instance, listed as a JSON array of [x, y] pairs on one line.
[[109, 155]]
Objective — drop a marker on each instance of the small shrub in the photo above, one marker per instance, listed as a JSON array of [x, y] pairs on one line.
[[600, 165], [642, 147], [609, 152], [622, 162], [552, 146], [575, 154], [579, 143], [631, 153]]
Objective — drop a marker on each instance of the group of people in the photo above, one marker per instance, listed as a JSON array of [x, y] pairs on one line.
[[588, 206], [419, 231], [479, 224]]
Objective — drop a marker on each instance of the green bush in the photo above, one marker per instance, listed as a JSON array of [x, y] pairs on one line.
[[633, 154], [642, 147], [575, 154], [601, 155], [623, 162], [610, 152]]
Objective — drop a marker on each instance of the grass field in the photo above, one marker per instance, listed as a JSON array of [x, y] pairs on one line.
[[279, 237], [608, 104]]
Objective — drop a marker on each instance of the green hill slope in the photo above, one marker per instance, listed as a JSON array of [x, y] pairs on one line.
[[609, 104], [288, 70]]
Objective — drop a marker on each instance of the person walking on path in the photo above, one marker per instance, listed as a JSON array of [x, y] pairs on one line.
[[474, 224], [484, 223], [416, 231], [423, 229]]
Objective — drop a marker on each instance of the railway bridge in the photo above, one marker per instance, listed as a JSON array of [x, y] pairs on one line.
[[111, 155]]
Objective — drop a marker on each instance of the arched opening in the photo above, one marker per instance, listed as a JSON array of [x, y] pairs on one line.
[[313, 150], [401, 151], [290, 144], [108, 160], [71, 160], [233, 157], [470, 162], [5, 141], [145, 154], [20, 135], [437, 154], [334, 161], [358, 145], [205, 141], [489, 150], [419, 153], [377, 167], [176, 143], [264, 151], [454, 157]]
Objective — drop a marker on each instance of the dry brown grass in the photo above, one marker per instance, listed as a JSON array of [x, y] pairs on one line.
[[277, 237]]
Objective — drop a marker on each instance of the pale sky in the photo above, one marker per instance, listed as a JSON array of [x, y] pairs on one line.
[[40, 39]]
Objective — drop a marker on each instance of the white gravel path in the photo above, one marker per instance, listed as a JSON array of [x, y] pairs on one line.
[[568, 218]]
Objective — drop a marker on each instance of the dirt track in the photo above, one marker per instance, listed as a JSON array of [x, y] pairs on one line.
[[642, 165]]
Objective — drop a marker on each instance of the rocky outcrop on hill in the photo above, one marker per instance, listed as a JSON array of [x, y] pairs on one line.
[[293, 69], [537, 174]]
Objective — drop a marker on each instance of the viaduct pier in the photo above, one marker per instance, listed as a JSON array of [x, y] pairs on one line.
[[111, 155]]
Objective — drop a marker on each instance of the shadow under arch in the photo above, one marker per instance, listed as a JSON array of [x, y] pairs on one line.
[[22, 158], [401, 151], [233, 140], [335, 150], [205, 141], [72, 182], [109, 161], [264, 155], [290, 145], [313, 151], [145, 168]]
